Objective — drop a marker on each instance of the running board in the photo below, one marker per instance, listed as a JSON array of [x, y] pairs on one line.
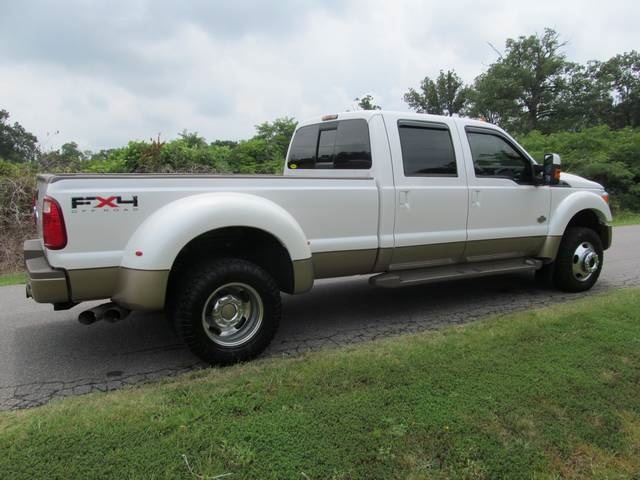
[[405, 278]]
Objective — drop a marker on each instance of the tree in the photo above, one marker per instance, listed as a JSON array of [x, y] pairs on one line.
[[16, 144], [447, 95], [367, 103], [277, 133], [623, 71], [585, 101], [192, 139], [523, 86]]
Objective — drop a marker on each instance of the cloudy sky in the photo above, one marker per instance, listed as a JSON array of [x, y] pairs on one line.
[[104, 72]]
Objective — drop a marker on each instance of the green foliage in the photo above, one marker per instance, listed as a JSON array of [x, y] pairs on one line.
[[16, 144], [623, 71], [447, 95], [366, 103], [12, 279], [526, 81], [17, 184], [551, 393], [278, 134], [610, 157]]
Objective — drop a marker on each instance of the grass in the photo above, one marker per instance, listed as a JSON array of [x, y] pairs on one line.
[[626, 217], [12, 279], [552, 393]]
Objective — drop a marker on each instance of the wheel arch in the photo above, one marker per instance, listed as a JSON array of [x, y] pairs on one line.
[[580, 209], [248, 243], [209, 221]]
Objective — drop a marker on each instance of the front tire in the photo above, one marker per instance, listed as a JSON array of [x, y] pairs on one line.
[[579, 261], [227, 312]]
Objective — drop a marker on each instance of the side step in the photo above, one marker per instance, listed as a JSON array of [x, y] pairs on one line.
[[405, 278]]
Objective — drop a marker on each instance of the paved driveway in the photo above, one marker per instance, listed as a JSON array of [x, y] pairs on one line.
[[46, 354]]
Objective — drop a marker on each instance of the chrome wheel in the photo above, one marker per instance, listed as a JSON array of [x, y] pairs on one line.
[[585, 262], [232, 314]]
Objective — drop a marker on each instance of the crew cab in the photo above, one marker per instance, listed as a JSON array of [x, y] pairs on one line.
[[402, 197]]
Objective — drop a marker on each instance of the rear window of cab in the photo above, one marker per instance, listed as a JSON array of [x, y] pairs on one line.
[[333, 145]]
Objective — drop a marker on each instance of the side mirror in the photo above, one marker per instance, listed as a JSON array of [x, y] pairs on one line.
[[551, 169]]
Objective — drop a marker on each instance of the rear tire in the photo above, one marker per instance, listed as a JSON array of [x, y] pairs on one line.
[[579, 261], [227, 312]]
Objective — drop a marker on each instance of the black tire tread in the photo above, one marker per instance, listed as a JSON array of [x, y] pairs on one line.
[[187, 303], [562, 276]]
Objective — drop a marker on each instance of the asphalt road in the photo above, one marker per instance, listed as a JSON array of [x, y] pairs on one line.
[[46, 355]]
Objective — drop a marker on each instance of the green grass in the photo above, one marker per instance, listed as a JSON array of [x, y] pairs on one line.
[[12, 279], [551, 393], [626, 218]]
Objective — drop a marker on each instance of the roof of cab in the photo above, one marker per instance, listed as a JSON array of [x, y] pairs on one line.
[[367, 114]]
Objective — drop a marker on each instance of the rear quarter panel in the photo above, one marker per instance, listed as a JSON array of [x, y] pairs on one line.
[[335, 214]]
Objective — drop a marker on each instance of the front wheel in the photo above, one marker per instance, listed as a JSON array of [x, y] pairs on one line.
[[579, 261], [228, 311]]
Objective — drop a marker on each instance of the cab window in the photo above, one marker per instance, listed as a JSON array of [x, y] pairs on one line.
[[335, 145], [427, 151], [494, 157]]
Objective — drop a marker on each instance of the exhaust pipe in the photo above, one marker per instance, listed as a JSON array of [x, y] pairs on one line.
[[107, 311], [115, 313]]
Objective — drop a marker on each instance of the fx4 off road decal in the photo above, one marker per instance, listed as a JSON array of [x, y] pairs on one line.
[[111, 203]]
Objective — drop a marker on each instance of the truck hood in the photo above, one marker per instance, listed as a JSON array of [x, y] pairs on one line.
[[576, 181]]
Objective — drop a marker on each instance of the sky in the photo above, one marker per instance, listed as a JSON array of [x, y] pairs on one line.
[[101, 73]]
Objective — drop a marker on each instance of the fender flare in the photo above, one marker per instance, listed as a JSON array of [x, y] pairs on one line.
[[575, 203], [162, 236], [565, 211]]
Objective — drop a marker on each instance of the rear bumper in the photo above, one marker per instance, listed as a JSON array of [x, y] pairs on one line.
[[134, 289], [44, 283]]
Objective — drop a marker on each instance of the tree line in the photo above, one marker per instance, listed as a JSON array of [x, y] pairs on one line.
[[533, 86]]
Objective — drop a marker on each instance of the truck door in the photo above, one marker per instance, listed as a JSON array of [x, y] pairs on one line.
[[431, 193], [507, 213]]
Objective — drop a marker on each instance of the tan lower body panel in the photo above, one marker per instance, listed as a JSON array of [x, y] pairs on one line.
[[359, 262], [92, 283], [302, 275], [343, 263], [135, 289], [550, 247], [146, 289], [499, 248], [141, 289], [422, 256]]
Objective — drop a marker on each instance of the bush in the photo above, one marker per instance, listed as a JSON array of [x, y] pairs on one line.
[[17, 190], [610, 157]]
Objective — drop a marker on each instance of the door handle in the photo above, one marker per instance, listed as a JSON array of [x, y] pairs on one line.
[[404, 199], [475, 198]]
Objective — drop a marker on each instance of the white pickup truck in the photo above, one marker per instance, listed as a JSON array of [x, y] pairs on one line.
[[409, 198]]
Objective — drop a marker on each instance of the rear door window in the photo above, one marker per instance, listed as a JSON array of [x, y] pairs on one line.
[[427, 151], [336, 145]]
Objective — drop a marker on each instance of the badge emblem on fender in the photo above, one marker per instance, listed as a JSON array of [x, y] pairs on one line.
[[104, 203]]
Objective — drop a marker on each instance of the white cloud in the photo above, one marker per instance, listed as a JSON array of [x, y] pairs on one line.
[[102, 76]]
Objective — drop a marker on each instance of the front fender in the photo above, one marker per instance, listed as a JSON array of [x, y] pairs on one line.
[[574, 203], [162, 236]]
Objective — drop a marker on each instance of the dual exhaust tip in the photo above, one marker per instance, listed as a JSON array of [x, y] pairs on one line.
[[107, 311]]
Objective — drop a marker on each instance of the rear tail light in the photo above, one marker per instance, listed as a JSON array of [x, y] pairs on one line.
[[54, 232]]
